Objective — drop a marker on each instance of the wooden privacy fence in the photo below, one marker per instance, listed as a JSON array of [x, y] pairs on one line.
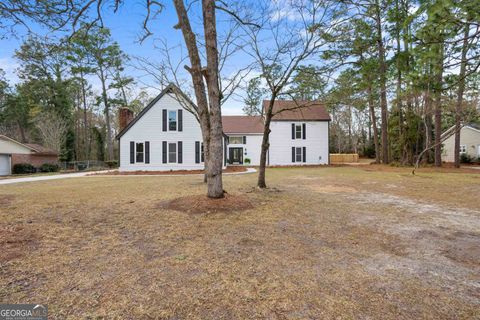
[[336, 158]]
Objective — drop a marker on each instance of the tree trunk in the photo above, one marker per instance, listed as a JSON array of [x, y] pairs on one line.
[[401, 139], [428, 125], [86, 144], [210, 120], [265, 145], [107, 115], [214, 180], [22, 132], [461, 89], [383, 79], [373, 118], [438, 105]]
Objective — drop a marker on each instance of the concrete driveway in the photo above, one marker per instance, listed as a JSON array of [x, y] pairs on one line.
[[51, 177]]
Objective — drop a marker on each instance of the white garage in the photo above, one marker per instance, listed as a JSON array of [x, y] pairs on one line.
[[5, 165]]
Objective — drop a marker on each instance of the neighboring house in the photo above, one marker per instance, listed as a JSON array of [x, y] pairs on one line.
[[167, 136], [469, 142], [13, 152]]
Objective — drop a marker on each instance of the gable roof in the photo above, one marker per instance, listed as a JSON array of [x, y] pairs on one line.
[[298, 110], [38, 149], [170, 88], [471, 125], [242, 124]]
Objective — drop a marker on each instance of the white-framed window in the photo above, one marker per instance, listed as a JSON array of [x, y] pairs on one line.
[[235, 140], [298, 131], [172, 153], [463, 149], [298, 154], [172, 120], [139, 152]]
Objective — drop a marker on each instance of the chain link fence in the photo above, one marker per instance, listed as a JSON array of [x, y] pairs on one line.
[[85, 165]]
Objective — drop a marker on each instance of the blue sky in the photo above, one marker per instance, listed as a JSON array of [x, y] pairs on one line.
[[126, 28]]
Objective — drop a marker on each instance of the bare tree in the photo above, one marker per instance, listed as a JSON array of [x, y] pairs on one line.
[[207, 93], [53, 130], [280, 37]]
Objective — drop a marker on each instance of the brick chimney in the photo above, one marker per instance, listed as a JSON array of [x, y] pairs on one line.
[[125, 117]]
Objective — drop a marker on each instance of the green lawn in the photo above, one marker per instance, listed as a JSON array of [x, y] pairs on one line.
[[336, 242]]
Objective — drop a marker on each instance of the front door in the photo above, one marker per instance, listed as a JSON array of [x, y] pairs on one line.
[[236, 156]]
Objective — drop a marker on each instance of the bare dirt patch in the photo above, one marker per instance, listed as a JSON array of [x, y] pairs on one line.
[[202, 204], [15, 242], [446, 168], [464, 247], [332, 189], [6, 199]]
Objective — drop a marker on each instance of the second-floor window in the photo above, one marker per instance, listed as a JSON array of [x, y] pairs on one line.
[[172, 120], [298, 131]]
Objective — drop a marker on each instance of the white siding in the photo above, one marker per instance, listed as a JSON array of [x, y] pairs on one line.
[[469, 137], [149, 128], [281, 143], [251, 150]]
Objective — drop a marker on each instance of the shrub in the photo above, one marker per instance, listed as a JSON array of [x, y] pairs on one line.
[[369, 152], [247, 160], [23, 168], [49, 167], [466, 158], [112, 163]]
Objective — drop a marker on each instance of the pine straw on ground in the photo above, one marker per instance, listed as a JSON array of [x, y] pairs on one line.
[[201, 204], [229, 169], [322, 243]]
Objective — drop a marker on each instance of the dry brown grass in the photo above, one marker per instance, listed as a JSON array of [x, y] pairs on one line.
[[328, 243]]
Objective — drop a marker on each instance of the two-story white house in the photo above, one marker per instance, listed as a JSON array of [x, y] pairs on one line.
[[166, 135]]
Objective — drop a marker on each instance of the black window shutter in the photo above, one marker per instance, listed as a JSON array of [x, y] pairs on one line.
[[147, 151], [304, 131], [197, 151], [180, 120], [164, 151], [304, 154], [164, 120], [293, 130], [132, 152], [293, 154], [180, 152], [244, 139]]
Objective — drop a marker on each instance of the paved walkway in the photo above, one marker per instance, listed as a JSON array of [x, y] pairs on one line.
[[95, 174]]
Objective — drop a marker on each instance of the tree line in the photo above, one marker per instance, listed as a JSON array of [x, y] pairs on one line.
[[55, 103]]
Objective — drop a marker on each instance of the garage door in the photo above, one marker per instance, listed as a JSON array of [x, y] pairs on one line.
[[4, 164]]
